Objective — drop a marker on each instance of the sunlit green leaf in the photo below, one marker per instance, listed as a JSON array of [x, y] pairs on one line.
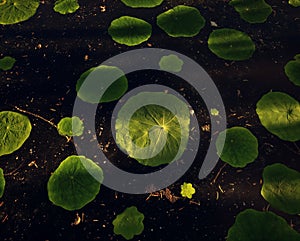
[[6, 63], [129, 30], [129, 223], [171, 63], [70, 126], [279, 113], [15, 128], [72, 186], [281, 188], [181, 21], [231, 44], [2, 183], [295, 3], [66, 6], [292, 70], [142, 3]]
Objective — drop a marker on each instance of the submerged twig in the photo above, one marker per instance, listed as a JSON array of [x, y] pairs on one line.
[[218, 174]]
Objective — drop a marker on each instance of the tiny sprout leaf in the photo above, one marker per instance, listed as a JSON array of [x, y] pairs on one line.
[[240, 148], [153, 135], [231, 44], [214, 112], [171, 63], [7, 62], [292, 70], [129, 30], [2, 183], [15, 11], [281, 188], [142, 3], [75, 183], [70, 126], [66, 6], [252, 225], [181, 21], [294, 3], [129, 223], [15, 128], [102, 76], [252, 11], [279, 113], [187, 190]]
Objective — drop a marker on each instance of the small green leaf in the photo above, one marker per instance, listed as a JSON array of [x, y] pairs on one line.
[[292, 70], [279, 113], [240, 146], [66, 6], [171, 63], [214, 112], [187, 190], [2, 183], [252, 225], [75, 183], [129, 30], [181, 21], [231, 44], [252, 11], [102, 76], [142, 3], [15, 11], [281, 188], [70, 126], [129, 223], [153, 135], [14, 131], [7, 62], [294, 3]]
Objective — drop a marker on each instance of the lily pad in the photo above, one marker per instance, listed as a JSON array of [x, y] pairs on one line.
[[279, 113], [103, 75], [129, 30], [240, 148], [181, 21], [294, 3], [7, 62], [214, 112], [72, 186], [129, 223], [281, 188], [2, 183], [153, 135], [252, 11], [15, 11], [187, 190], [70, 126], [292, 70], [66, 6], [231, 44], [252, 225], [15, 128], [171, 63], [142, 3]]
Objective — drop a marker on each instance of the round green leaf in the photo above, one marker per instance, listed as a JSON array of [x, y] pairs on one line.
[[15, 11], [142, 3], [295, 3], [279, 113], [70, 126], [252, 225], [281, 188], [181, 21], [7, 62], [66, 6], [2, 183], [153, 135], [231, 44], [72, 186], [240, 148], [104, 74], [129, 30], [252, 11], [187, 190], [129, 223], [171, 63], [292, 70], [15, 128]]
